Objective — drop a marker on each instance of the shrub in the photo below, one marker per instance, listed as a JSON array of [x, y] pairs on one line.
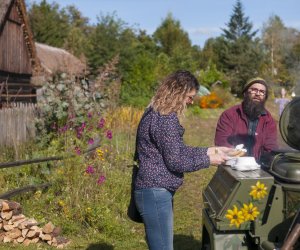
[[211, 101]]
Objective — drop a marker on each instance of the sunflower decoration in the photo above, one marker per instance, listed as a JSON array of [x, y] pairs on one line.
[[259, 191], [250, 212], [235, 216]]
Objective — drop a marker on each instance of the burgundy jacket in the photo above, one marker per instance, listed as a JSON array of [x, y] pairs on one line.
[[232, 129]]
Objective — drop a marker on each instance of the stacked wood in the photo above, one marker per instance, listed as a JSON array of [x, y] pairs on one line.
[[15, 227]]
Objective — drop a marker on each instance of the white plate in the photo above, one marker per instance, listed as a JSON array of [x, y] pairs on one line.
[[245, 167]]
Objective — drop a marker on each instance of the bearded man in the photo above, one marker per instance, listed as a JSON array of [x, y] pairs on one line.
[[249, 123]]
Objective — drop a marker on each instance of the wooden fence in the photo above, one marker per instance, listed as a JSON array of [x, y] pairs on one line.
[[17, 123]]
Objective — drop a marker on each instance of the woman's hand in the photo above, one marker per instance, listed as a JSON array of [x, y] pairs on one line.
[[217, 159], [218, 155], [220, 150]]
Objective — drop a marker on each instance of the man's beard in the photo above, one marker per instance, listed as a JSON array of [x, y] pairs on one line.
[[251, 108]]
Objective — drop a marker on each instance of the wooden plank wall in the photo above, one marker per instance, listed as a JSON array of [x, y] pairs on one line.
[[14, 56], [17, 124]]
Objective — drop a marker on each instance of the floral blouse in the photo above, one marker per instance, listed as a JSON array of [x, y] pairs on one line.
[[161, 153]]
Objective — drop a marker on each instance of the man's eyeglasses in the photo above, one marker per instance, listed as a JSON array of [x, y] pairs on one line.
[[257, 91]]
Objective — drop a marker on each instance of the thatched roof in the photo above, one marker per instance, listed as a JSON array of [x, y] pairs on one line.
[[55, 60]]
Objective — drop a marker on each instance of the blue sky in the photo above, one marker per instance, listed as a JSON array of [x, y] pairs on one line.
[[202, 19]]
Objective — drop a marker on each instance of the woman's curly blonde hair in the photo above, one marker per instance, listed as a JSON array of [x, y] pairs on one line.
[[172, 91]]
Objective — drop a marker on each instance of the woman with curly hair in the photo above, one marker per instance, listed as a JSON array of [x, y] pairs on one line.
[[163, 158]]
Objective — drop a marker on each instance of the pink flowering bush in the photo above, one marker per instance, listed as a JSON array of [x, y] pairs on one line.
[[89, 141]]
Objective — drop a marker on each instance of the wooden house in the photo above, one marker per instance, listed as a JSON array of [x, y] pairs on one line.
[[18, 58], [24, 64]]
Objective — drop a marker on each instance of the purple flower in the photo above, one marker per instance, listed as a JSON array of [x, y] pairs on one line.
[[89, 115], [109, 134], [101, 123], [101, 179], [78, 135], [63, 129], [91, 141], [90, 169], [77, 150]]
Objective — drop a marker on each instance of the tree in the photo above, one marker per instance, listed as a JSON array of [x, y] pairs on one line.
[[292, 59], [173, 41], [138, 69], [105, 41], [77, 40], [243, 56], [214, 51], [49, 25], [169, 36], [273, 38], [212, 75], [239, 25]]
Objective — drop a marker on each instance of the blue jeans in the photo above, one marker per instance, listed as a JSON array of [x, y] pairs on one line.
[[156, 208]]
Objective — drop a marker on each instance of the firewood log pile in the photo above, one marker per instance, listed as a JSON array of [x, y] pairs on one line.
[[16, 228]]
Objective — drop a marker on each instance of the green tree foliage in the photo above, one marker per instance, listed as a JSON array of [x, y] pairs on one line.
[[169, 36], [139, 84], [215, 51], [211, 75], [243, 55], [243, 62], [239, 25], [137, 53], [77, 40], [175, 43], [139, 62], [48, 23], [292, 59], [143, 60], [280, 43], [105, 40], [273, 38]]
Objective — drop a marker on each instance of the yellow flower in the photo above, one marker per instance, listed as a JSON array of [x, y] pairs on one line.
[[250, 212], [235, 216], [37, 194], [99, 152], [59, 171], [258, 191], [61, 203]]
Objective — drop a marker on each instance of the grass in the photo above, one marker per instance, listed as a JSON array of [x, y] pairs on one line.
[[94, 216]]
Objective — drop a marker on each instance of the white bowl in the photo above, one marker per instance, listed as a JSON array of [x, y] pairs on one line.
[[245, 161], [245, 167]]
